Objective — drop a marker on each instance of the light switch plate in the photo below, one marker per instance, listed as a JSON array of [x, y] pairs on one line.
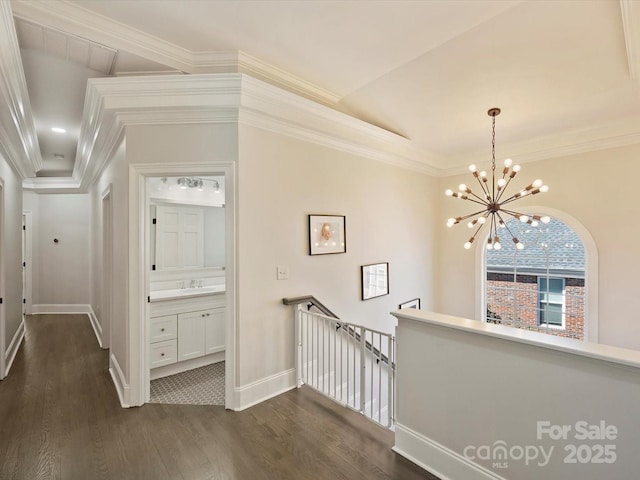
[[283, 272]]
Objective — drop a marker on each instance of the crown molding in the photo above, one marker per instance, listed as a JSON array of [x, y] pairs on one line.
[[561, 145], [79, 21], [264, 71], [17, 128], [631, 23], [52, 185], [112, 104], [270, 108]]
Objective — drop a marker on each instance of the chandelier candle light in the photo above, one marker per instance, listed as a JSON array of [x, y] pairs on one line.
[[491, 198]]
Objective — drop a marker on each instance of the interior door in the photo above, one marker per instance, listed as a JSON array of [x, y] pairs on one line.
[[179, 237], [24, 265]]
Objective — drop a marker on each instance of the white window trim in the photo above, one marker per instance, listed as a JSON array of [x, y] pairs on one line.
[[591, 307]]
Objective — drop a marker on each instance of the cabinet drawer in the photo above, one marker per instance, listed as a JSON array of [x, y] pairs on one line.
[[163, 328], [164, 353]]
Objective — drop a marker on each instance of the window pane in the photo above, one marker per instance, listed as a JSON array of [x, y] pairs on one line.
[[556, 285], [551, 313]]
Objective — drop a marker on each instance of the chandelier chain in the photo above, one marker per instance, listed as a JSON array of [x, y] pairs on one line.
[[493, 145]]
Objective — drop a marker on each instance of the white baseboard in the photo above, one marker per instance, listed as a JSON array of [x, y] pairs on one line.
[[53, 308], [97, 328], [264, 389], [122, 387], [438, 459], [14, 346]]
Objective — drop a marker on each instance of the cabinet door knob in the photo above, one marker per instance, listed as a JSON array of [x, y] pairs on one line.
[[162, 354], [208, 314], [162, 329], [203, 314]]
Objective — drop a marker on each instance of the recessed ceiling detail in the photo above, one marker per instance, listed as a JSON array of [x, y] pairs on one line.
[[67, 47]]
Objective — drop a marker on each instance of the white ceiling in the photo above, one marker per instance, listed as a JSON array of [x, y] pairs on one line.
[[561, 71]]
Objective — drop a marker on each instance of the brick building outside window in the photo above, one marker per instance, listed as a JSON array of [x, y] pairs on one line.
[[541, 287]]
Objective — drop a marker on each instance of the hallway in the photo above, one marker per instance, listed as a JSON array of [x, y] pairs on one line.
[[60, 419]]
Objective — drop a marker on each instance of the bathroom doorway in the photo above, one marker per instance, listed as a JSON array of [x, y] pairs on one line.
[[187, 319], [187, 289]]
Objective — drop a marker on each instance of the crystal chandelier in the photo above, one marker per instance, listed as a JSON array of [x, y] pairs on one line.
[[491, 199]]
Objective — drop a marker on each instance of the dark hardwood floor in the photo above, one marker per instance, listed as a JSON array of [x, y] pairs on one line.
[[60, 419]]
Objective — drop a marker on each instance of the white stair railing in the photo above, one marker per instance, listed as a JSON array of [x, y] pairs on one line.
[[352, 364]]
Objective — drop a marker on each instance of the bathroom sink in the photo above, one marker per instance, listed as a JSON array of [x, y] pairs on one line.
[[185, 292]]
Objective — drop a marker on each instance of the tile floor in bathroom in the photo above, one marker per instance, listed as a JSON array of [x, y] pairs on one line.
[[200, 386]]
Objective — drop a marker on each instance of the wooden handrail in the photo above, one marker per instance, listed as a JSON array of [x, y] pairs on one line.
[[311, 301]]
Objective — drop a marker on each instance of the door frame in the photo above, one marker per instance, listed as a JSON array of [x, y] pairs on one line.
[[3, 246], [106, 310], [140, 266], [27, 293]]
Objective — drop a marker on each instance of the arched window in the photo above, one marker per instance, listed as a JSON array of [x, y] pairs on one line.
[[541, 287]]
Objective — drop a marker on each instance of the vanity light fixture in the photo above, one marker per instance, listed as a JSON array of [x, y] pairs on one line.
[[58, 130], [197, 183], [491, 201], [184, 183]]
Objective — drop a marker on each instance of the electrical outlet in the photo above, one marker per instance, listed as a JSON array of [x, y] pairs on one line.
[[282, 272]]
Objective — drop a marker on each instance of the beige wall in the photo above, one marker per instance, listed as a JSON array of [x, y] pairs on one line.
[[280, 181], [114, 175], [389, 218], [594, 188]]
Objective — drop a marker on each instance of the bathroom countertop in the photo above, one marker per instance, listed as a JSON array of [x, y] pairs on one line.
[[177, 293]]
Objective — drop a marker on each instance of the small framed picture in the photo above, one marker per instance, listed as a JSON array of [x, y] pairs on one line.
[[375, 280], [327, 234], [415, 303]]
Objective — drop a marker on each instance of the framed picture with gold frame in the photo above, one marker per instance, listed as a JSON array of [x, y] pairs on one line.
[[327, 234]]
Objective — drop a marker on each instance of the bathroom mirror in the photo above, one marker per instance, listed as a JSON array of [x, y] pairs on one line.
[[188, 226]]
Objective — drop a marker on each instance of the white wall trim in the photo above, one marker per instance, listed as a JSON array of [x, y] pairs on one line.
[[111, 104], [438, 459], [122, 387], [97, 328], [3, 280], [106, 242], [264, 389], [14, 346], [562, 144], [56, 308]]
